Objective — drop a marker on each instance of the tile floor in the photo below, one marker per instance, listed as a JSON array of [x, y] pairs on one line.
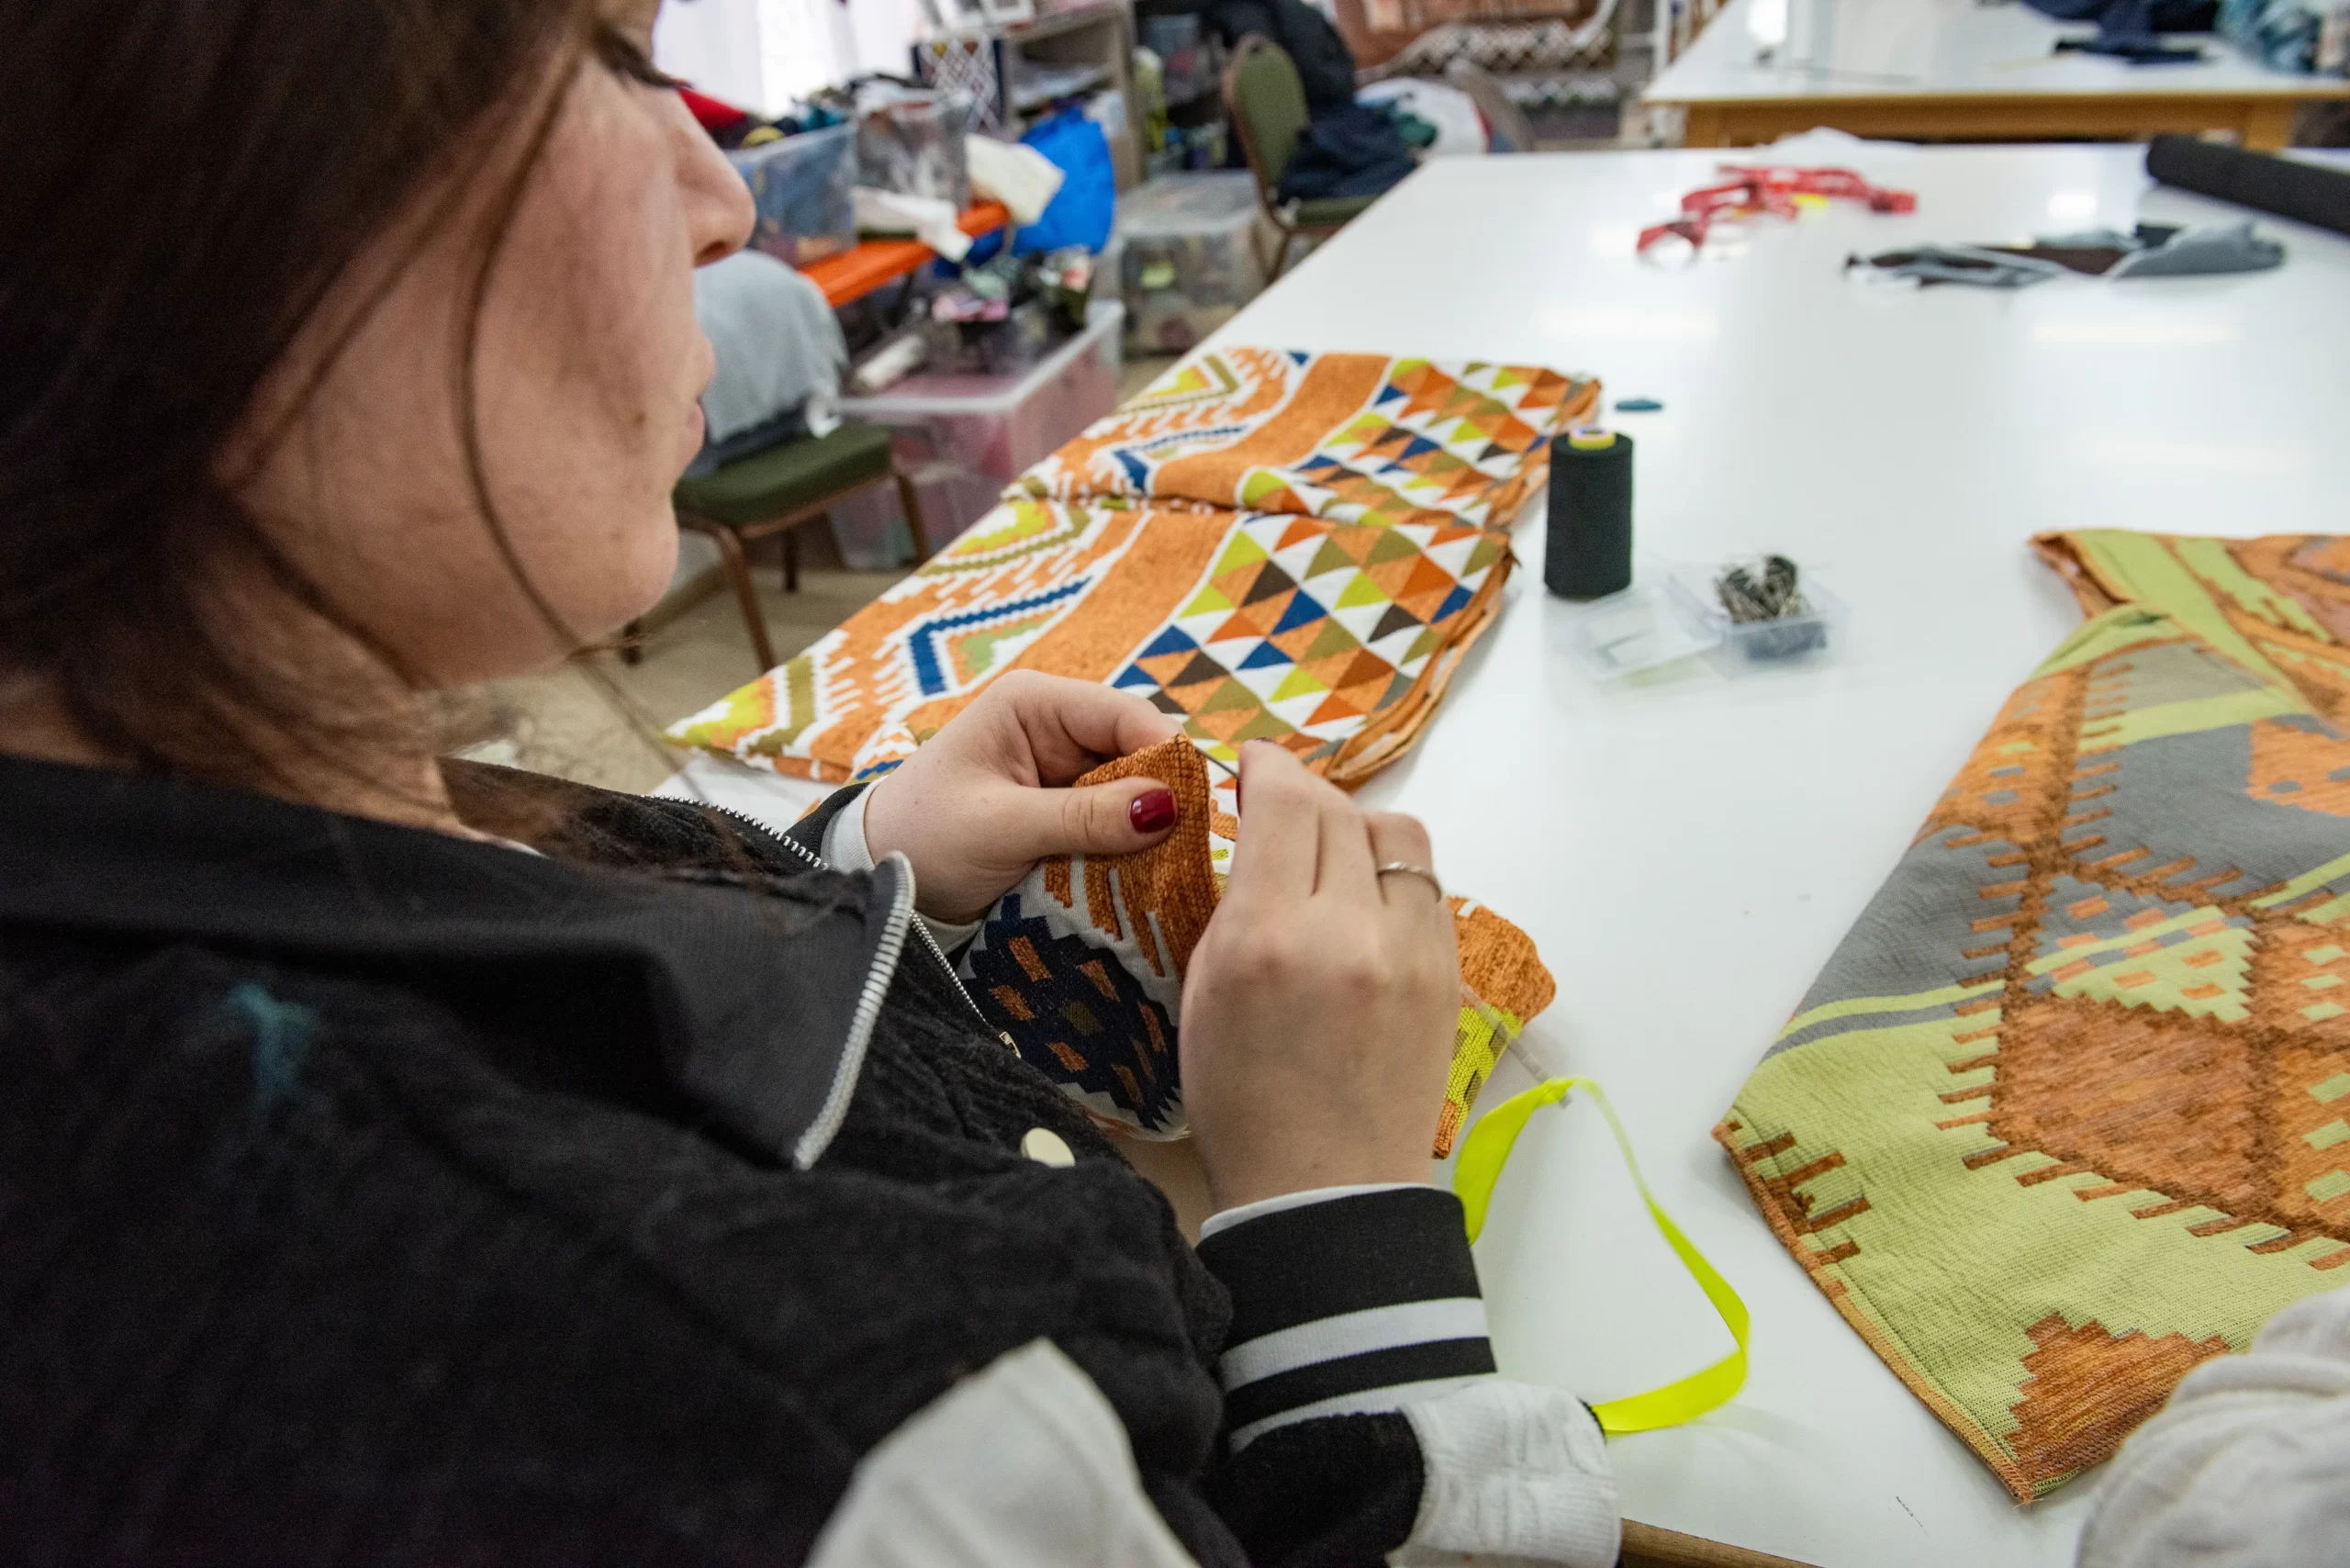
[[599, 720]]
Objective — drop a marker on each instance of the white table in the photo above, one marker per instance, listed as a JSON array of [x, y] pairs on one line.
[[1958, 68], [1689, 854]]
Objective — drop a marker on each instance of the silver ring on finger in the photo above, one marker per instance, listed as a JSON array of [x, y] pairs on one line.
[[1398, 867]]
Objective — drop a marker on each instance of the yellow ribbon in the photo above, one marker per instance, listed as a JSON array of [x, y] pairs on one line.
[[1483, 1155]]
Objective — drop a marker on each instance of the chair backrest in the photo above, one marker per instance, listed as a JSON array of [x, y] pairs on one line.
[[1266, 103], [1511, 133]]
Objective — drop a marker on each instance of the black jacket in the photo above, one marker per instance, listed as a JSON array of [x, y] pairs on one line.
[[368, 1194]]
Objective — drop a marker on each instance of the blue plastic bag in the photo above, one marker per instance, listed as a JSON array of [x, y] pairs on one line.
[[1082, 210]]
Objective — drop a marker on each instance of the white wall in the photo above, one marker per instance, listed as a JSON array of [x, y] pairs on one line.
[[714, 44], [763, 54]]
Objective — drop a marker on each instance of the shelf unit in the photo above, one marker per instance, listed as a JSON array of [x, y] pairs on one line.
[[1196, 104], [1208, 88], [1078, 51]]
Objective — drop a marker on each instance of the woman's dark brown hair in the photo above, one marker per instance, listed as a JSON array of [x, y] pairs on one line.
[[181, 183]]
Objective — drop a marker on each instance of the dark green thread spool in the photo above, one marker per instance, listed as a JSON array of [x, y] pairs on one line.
[[1589, 551]]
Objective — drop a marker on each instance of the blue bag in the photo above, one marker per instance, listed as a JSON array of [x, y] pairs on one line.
[[1082, 210]]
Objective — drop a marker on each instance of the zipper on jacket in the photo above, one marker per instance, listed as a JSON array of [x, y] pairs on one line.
[[819, 1134], [921, 924]]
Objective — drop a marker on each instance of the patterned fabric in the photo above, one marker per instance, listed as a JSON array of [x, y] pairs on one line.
[[1082, 964], [968, 64], [1285, 546], [2069, 1110], [1353, 438], [1505, 48], [1268, 546]]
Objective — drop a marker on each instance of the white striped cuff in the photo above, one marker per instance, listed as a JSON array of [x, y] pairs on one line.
[[1356, 1305]]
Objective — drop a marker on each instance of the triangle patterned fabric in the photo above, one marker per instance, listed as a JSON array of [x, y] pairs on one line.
[[1268, 546]]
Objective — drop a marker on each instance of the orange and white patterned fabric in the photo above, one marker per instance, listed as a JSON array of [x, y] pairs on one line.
[[1268, 545], [1082, 966]]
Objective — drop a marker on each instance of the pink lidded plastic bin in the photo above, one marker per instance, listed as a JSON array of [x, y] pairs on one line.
[[964, 438]]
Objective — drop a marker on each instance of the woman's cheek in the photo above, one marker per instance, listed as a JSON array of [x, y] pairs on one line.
[[604, 441]]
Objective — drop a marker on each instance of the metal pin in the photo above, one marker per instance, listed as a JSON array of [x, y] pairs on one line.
[[1775, 596]]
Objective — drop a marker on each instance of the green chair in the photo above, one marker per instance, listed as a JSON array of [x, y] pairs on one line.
[[1265, 103], [774, 492]]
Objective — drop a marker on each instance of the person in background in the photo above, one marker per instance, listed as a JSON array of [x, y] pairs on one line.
[[414, 1163], [1346, 149], [2249, 1465], [1326, 66]]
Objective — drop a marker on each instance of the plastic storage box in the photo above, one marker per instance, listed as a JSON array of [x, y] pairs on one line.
[[802, 186], [963, 438], [915, 147], [1190, 257], [1815, 633], [1188, 63], [1671, 612]]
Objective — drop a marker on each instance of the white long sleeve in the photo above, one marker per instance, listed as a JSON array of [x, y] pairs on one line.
[[2249, 1465], [846, 849]]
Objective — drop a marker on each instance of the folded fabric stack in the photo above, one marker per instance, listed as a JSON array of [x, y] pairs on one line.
[[2065, 1114], [1268, 546]]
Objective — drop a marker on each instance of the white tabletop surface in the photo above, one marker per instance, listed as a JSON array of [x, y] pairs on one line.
[[1875, 49], [1688, 853]]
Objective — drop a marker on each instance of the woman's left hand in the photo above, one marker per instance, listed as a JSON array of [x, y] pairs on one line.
[[987, 797]]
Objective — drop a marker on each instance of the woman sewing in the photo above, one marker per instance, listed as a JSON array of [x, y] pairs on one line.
[[402, 1163]]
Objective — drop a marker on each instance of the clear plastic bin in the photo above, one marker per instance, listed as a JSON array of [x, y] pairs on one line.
[[915, 147], [1642, 628], [869, 528], [964, 438], [1171, 35], [1187, 62], [1671, 612], [803, 187], [1191, 259], [1744, 645]]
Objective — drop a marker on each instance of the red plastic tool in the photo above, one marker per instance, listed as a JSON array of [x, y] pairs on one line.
[[1773, 189]]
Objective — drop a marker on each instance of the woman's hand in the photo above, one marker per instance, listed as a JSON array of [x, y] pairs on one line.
[[985, 798], [1320, 1006]]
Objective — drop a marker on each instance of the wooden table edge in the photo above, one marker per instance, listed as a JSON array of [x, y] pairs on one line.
[[2262, 119], [2317, 87], [1648, 1546]]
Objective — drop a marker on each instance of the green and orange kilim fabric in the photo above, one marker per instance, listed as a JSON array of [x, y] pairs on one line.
[[1267, 545], [2069, 1110]]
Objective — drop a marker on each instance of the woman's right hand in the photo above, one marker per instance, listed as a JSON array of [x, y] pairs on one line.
[[1320, 1006]]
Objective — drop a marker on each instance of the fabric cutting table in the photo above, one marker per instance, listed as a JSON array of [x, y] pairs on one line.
[[1687, 851], [1961, 68]]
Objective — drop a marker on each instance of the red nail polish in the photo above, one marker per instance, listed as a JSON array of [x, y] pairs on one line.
[[1152, 811]]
